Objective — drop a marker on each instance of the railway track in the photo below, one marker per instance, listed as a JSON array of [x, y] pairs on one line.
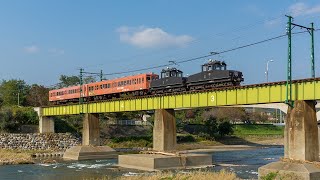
[[197, 91]]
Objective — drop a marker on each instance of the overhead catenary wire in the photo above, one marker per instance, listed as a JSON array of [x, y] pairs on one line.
[[196, 58], [205, 56]]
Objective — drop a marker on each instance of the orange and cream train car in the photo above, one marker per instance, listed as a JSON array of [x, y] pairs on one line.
[[136, 85]]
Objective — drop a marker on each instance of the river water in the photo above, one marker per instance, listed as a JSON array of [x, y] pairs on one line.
[[244, 163]]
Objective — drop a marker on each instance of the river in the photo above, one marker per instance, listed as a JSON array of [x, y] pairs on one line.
[[244, 163]]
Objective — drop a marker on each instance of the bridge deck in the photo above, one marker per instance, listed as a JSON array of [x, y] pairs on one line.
[[305, 89]]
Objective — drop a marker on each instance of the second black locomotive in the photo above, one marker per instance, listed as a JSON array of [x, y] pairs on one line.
[[213, 74]]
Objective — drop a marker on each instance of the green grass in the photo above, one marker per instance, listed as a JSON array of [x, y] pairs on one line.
[[130, 142], [257, 129]]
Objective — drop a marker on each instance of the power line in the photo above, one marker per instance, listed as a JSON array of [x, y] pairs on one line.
[[200, 57]]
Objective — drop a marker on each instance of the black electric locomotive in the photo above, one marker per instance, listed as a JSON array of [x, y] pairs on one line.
[[213, 74], [171, 80]]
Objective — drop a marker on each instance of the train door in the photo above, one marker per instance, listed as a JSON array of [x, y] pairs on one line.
[[85, 90]]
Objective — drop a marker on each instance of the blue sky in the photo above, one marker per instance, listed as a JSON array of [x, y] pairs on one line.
[[40, 40]]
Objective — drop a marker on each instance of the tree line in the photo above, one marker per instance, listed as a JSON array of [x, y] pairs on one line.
[[17, 99]]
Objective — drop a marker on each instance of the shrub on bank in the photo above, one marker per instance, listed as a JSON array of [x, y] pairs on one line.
[[12, 118]]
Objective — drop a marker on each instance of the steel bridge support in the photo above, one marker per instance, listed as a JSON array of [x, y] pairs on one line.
[[301, 145]]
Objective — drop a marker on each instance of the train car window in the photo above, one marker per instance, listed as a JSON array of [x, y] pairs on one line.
[[101, 87], [119, 84], [148, 78], [143, 80], [139, 80]]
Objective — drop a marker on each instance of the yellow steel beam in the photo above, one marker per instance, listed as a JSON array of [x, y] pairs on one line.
[[264, 93]]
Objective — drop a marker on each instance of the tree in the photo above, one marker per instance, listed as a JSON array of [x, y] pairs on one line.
[[258, 117], [66, 81], [225, 128], [234, 114], [6, 120], [37, 96], [89, 79], [13, 91]]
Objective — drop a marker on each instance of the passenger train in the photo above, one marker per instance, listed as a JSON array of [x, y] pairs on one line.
[[213, 74]]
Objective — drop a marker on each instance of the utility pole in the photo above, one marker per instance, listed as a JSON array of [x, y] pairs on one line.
[[19, 90], [101, 75], [81, 94], [289, 77], [290, 26], [312, 50]]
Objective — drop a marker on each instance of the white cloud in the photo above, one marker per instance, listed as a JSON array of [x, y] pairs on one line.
[[273, 22], [300, 9], [151, 37], [56, 51], [31, 49]]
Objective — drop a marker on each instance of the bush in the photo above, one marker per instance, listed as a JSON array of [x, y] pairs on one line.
[[25, 115], [11, 118], [71, 124], [185, 138], [225, 128], [7, 123]]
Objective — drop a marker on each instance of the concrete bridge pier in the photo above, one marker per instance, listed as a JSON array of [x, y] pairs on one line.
[[301, 145], [46, 124], [164, 130], [90, 148], [164, 155]]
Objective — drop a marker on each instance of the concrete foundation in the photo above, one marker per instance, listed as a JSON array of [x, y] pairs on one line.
[[89, 152], [91, 131], [46, 124], [164, 130], [90, 148], [289, 170], [164, 139], [301, 143], [152, 162]]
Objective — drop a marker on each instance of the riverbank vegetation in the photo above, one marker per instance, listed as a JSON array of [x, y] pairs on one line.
[[221, 175], [15, 156]]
